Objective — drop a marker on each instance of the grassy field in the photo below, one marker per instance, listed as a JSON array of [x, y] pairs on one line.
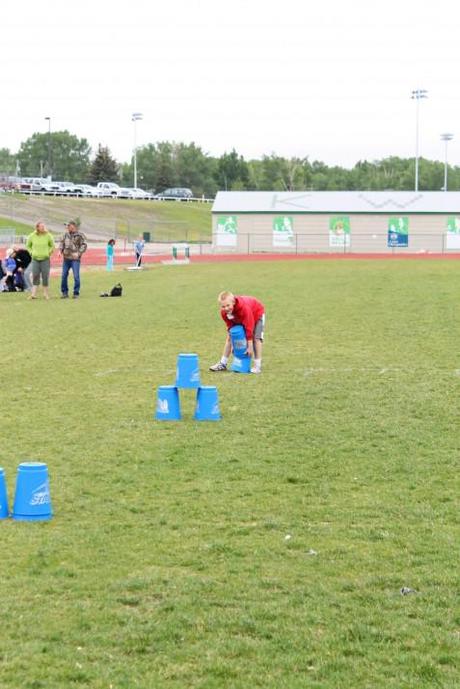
[[165, 220], [264, 550]]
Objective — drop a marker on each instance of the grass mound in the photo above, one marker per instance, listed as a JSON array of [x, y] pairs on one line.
[[164, 220]]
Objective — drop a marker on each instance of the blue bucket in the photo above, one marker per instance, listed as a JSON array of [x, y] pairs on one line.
[[207, 404], [242, 365], [3, 496], [168, 406], [32, 500], [188, 372], [239, 341], [241, 361]]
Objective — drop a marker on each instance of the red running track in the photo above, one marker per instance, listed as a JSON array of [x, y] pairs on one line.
[[96, 257]]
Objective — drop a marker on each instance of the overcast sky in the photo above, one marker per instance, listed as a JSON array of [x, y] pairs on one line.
[[328, 79]]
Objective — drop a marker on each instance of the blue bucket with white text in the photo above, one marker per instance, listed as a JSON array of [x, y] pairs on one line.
[[188, 371], [32, 501], [241, 361], [207, 404], [168, 405]]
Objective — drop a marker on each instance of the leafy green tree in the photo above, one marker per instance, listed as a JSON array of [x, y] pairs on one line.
[[104, 168], [194, 169], [146, 168], [61, 155], [8, 163], [168, 164], [255, 173], [165, 175], [232, 172]]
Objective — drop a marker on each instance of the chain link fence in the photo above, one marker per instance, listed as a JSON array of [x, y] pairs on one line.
[[318, 243]]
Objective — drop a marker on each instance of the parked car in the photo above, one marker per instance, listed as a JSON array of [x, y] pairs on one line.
[[67, 187], [137, 193], [52, 188], [125, 193], [33, 183], [175, 193], [86, 190], [108, 189], [10, 183]]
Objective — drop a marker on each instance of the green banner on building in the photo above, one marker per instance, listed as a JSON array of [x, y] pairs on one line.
[[453, 232], [339, 231], [398, 232], [283, 231], [227, 230]]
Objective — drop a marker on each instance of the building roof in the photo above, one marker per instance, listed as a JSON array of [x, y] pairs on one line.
[[337, 202]]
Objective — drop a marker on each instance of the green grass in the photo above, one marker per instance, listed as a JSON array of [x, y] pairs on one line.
[[265, 550], [19, 227], [165, 220]]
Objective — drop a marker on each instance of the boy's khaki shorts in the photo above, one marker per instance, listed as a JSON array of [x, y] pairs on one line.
[[259, 329]]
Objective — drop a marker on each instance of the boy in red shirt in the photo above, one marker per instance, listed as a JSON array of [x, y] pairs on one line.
[[250, 313]]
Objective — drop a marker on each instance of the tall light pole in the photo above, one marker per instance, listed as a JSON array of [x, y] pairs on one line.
[[446, 138], [136, 116], [49, 145], [417, 95]]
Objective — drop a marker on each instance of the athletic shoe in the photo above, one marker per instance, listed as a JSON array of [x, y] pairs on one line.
[[218, 367], [254, 369], [64, 296]]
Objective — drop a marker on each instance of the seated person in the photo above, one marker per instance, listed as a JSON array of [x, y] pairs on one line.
[[10, 268]]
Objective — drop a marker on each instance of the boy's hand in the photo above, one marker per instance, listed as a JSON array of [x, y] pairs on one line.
[[250, 348]]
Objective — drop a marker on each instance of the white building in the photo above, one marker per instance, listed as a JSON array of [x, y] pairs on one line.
[[337, 221]]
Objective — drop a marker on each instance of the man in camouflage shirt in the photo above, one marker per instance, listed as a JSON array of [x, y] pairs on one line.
[[72, 246]]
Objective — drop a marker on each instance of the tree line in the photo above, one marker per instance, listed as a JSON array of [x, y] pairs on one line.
[[168, 164]]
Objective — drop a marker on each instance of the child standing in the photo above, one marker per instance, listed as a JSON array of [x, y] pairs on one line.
[[110, 252], [248, 312], [139, 245]]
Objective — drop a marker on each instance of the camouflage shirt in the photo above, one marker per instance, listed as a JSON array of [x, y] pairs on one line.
[[73, 245]]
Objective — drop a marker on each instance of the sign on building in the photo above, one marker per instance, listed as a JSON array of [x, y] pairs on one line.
[[283, 231], [227, 230], [339, 231], [398, 232], [453, 232]]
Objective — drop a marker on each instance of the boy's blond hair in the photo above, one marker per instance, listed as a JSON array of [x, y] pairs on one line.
[[223, 296]]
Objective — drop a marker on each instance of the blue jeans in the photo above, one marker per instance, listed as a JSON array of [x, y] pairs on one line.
[[68, 264]]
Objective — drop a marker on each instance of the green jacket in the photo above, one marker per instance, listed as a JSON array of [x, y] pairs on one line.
[[40, 246]]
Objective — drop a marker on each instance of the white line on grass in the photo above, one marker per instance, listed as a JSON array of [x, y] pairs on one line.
[[378, 370]]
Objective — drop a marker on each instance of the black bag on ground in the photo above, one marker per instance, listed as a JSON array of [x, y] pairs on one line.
[[116, 291]]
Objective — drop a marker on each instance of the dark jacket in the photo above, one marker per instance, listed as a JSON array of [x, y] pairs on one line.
[[22, 258]]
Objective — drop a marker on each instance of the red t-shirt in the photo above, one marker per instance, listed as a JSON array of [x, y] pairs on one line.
[[246, 312]]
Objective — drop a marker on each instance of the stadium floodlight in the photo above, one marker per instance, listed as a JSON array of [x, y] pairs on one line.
[[49, 146], [135, 117], [446, 138], [417, 95]]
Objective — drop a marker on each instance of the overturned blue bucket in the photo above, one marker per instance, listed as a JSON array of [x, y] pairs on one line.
[[207, 404], [241, 361], [188, 371], [168, 405], [242, 365], [32, 501], [3, 496]]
